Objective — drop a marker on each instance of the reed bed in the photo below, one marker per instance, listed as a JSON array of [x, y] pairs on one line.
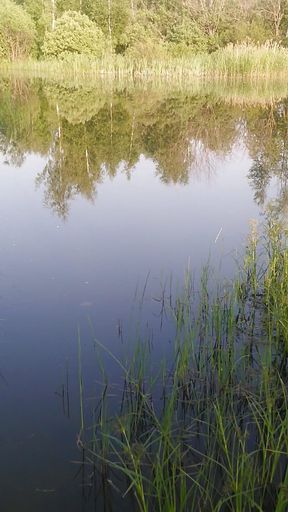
[[206, 429], [234, 60]]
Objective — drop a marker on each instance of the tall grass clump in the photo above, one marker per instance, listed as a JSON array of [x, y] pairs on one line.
[[206, 429], [251, 60], [240, 60]]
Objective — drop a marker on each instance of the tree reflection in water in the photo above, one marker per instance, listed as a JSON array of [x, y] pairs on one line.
[[87, 134]]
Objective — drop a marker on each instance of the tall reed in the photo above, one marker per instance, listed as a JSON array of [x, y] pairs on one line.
[[249, 60], [208, 429]]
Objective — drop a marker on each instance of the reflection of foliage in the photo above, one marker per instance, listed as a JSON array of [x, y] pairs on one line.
[[260, 179], [83, 153], [77, 105], [25, 122], [280, 204], [87, 135], [267, 140], [63, 180], [10, 151]]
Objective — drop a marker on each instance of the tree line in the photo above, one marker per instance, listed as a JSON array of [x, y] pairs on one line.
[[136, 28]]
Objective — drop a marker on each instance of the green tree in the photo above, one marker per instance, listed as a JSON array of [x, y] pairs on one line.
[[112, 16], [74, 33], [275, 12], [17, 31], [41, 13], [141, 40], [187, 36]]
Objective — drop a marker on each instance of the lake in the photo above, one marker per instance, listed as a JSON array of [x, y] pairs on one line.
[[107, 196]]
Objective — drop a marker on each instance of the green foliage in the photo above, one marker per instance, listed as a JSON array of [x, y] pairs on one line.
[[141, 41], [17, 31], [74, 34], [255, 31], [40, 12], [113, 17], [187, 37], [68, 5], [148, 29]]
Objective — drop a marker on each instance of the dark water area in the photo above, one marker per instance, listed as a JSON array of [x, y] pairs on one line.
[[104, 195]]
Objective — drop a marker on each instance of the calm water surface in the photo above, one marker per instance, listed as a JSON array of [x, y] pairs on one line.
[[100, 193]]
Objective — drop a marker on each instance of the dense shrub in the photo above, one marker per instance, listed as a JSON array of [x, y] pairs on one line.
[[17, 31], [74, 33], [187, 37], [141, 41], [256, 30]]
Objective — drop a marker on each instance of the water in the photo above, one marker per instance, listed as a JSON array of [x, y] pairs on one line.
[[102, 191]]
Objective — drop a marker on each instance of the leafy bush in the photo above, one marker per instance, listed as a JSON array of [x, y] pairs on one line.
[[17, 31], [74, 33]]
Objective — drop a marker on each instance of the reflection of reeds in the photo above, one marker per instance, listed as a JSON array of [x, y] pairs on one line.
[[207, 430], [235, 89]]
